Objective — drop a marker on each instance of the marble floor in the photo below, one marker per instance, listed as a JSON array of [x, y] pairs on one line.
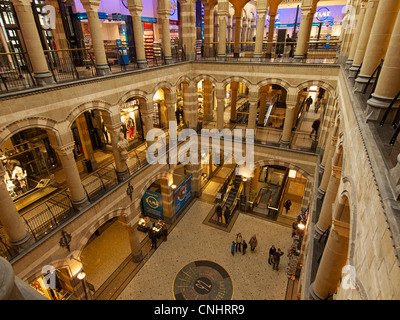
[[190, 240]]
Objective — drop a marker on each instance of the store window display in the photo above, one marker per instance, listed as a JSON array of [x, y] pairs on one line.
[[131, 121]]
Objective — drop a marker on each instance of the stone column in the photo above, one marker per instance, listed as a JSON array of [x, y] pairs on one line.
[[378, 42], [23, 10], [234, 94], [238, 27], [196, 171], [222, 15], [167, 196], [164, 11], [263, 105], [365, 32], [136, 249], [220, 93], [261, 13], [253, 101], [85, 140], [207, 101], [357, 32], [147, 117], [389, 81], [119, 159], [328, 167], [190, 109], [66, 155], [271, 31], [188, 23], [288, 124], [332, 262], [92, 8], [208, 31], [325, 216], [307, 15], [18, 235], [135, 8], [170, 101]]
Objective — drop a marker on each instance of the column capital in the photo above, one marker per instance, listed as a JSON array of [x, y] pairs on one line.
[[21, 2], [91, 5], [64, 149], [336, 171], [341, 228]]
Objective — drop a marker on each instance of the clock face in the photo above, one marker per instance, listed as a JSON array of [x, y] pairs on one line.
[[203, 280], [125, 3]]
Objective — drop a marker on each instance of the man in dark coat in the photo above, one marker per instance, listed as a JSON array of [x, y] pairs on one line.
[[315, 127]]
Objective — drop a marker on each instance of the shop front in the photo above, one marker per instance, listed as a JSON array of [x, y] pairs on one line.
[[29, 161], [131, 120]]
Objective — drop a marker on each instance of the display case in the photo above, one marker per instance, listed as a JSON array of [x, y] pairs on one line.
[[148, 35]]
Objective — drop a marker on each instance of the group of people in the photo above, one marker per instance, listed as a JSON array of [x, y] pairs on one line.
[[240, 243], [274, 257]]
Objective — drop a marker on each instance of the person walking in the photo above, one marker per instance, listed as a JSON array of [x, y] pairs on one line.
[[272, 251], [287, 205], [277, 257], [238, 242], [315, 127], [253, 242], [309, 102], [244, 244], [233, 248]]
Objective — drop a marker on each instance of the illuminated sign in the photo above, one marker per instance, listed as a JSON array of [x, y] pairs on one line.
[[323, 14], [174, 7]]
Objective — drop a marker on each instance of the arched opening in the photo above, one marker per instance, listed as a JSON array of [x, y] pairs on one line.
[[277, 193], [160, 110], [31, 165], [106, 250]]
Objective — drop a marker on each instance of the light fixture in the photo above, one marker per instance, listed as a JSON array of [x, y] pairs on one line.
[[244, 179], [81, 275], [292, 173], [173, 186], [301, 226]]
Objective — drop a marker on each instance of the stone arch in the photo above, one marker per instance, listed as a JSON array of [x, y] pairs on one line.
[[32, 122], [283, 83], [274, 162], [204, 77], [163, 85], [96, 104], [325, 85], [183, 79], [236, 79], [90, 231], [133, 93]]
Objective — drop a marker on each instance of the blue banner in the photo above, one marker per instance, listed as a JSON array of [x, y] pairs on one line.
[[183, 194], [152, 204]]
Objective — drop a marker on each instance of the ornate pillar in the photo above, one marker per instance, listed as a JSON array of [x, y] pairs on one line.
[[354, 43], [222, 15], [253, 101], [234, 94], [328, 167], [136, 248], [288, 125], [167, 196], [220, 93], [389, 81], [238, 27], [261, 13], [365, 32], [188, 23], [263, 105], [164, 11], [307, 15], [378, 42], [208, 31], [78, 196], [170, 102], [19, 237], [332, 262], [207, 100], [135, 8], [190, 109], [23, 10], [271, 31], [92, 8]]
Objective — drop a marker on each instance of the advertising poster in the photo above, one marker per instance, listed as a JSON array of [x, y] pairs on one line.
[[183, 194], [152, 204]]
